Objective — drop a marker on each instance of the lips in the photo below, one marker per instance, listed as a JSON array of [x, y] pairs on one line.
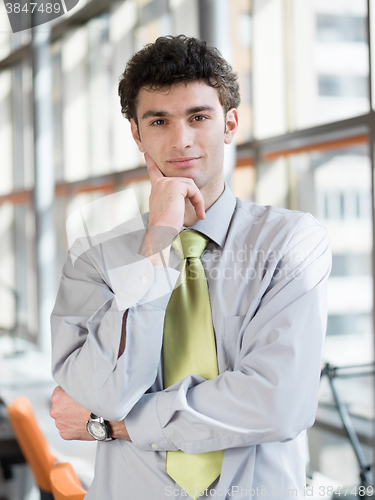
[[184, 161]]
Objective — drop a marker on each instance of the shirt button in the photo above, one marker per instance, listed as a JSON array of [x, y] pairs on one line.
[[144, 279], [154, 446]]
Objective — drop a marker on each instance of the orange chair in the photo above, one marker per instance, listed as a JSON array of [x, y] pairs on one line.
[[33, 444], [65, 483]]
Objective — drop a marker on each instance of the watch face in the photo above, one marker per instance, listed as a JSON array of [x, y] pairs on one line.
[[97, 430]]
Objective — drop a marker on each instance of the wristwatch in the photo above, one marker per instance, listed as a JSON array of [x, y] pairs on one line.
[[98, 428]]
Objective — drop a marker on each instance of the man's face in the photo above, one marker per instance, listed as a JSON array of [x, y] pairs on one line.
[[184, 130]]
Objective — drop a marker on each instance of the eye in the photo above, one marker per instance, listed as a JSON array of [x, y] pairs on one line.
[[199, 118], [158, 122]]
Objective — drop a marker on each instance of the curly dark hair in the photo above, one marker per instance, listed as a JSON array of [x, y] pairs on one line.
[[177, 59]]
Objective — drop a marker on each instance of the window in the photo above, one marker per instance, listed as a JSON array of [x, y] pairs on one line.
[[241, 60], [310, 64], [340, 28], [303, 68], [335, 186], [343, 86], [244, 29], [347, 264]]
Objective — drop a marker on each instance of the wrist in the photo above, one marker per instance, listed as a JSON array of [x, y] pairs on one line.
[[161, 258], [156, 245], [118, 430]]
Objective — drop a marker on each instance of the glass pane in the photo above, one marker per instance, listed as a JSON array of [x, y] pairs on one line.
[[18, 297], [26, 284], [310, 63], [241, 62], [6, 132], [269, 71], [372, 38], [75, 105], [149, 32], [7, 269], [335, 186], [185, 17], [5, 33], [329, 79], [8, 40], [101, 211], [335, 458], [242, 182], [99, 85], [272, 186], [23, 167], [122, 20], [84, 101]]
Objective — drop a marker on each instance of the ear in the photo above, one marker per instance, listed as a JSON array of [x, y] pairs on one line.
[[231, 125], [135, 135]]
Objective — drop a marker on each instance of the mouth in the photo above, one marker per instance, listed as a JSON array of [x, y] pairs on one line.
[[184, 161]]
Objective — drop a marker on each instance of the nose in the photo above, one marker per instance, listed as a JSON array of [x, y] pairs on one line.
[[181, 136]]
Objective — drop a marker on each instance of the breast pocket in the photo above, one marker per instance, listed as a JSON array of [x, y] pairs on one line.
[[231, 327]]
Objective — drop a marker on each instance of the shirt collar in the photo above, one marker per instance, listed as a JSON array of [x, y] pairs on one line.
[[218, 217]]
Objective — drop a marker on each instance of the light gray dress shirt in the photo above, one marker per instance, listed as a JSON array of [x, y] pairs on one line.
[[267, 271]]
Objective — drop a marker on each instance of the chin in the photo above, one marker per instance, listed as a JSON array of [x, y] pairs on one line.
[[183, 173]]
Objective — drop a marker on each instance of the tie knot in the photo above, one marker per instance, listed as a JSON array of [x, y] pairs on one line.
[[190, 243]]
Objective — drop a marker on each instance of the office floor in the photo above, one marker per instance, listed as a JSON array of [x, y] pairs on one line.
[[25, 371], [20, 487], [29, 374]]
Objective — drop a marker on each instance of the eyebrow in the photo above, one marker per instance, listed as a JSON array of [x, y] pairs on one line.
[[165, 114], [198, 109]]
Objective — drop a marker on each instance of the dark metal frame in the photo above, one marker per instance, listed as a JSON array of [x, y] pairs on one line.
[[333, 372]]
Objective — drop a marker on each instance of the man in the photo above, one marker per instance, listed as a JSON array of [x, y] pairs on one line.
[[266, 271]]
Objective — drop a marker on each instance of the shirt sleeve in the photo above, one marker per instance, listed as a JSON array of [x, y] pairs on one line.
[[272, 393], [86, 326]]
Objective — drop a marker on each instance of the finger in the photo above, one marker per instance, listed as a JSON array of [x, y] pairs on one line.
[[196, 199], [59, 390], [153, 170], [55, 394]]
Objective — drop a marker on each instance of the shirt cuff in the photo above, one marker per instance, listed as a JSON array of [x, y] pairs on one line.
[[159, 293], [143, 425], [140, 283], [131, 282]]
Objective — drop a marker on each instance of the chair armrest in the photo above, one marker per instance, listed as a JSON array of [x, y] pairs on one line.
[[65, 483]]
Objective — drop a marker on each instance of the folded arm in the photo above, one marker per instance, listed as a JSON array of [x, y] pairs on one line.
[[271, 395], [92, 316]]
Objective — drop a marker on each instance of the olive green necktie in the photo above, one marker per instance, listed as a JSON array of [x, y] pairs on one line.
[[189, 349]]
